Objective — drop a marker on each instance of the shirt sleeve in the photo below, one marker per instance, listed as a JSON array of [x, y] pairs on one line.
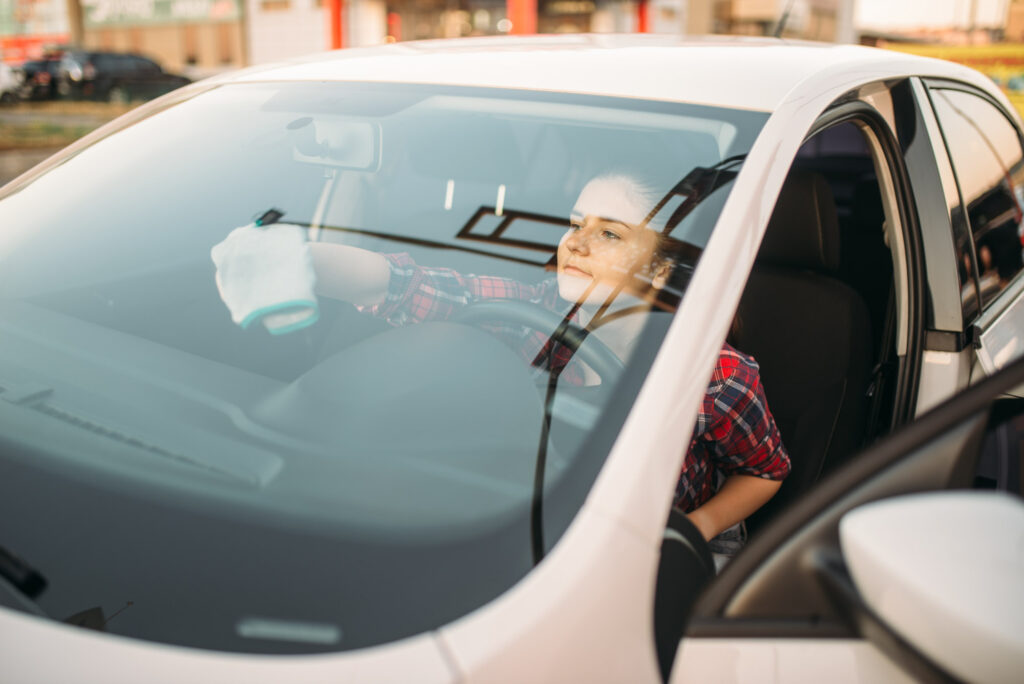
[[418, 293], [745, 439]]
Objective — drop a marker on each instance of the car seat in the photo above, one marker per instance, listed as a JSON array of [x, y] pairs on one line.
[[811, 335]]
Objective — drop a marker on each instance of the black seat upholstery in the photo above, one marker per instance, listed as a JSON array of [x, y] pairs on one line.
[[811, 335]]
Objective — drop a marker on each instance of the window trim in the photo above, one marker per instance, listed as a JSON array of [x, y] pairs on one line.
[[931, 172]]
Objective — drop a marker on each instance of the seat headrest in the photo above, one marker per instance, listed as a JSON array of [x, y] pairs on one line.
[[804, 229]]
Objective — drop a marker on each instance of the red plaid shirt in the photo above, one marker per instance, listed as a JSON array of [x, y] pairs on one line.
[[735, 432]]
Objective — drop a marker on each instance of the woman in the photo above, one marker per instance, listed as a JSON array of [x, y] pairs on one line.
[[611, 262]]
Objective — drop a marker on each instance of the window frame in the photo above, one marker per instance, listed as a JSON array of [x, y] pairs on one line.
[[1008, 295], [716, 614]]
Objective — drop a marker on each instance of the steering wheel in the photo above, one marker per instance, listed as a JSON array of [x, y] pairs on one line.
[[595, 353]]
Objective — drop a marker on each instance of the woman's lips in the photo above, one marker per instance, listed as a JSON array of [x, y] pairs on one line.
[[573, 271]]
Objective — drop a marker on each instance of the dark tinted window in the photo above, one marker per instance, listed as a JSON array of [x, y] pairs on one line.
[[105, 62], [988, 161], [125, 63], [144, 66]]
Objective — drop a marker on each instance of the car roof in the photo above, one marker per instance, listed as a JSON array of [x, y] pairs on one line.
[[747, 73]]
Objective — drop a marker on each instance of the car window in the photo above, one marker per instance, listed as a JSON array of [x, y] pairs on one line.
[[105, 63], [988, 162], [409, 463], [144, 66]]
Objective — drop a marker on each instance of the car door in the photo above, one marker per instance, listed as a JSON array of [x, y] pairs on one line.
[[829, 632], [837, 331]]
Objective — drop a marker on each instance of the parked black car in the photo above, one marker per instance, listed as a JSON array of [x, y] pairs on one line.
[[118, 77], [40, 78]]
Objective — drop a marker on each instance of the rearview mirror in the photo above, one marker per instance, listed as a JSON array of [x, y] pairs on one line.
[[336, 141], [943, 570]]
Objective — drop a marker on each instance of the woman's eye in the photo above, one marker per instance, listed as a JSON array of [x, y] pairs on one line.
[[573, 227], [610, 235]]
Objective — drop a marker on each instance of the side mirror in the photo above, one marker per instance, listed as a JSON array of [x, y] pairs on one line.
[[945, 571]]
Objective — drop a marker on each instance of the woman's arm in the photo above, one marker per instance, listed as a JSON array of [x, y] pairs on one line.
[[739, 496], [747, 447], [350, 273]]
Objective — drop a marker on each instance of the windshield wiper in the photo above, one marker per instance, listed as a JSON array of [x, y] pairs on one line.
[[21, 575], [20, 583]]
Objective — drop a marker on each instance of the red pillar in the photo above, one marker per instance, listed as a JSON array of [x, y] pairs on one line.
[[394, 26], [641, 16], [523, 15], [334, 21]]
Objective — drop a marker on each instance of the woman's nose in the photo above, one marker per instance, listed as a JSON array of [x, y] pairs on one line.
[[577, 240]]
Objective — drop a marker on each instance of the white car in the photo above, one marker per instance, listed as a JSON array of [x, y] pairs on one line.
[[10, 82], [190, 495]]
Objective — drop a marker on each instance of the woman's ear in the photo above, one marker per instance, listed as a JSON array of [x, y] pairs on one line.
[[660, 272]]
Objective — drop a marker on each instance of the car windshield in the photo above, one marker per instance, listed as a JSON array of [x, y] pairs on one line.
[[207, 440]]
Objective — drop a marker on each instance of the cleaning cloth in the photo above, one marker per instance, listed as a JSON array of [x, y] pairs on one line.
[[265, 273]]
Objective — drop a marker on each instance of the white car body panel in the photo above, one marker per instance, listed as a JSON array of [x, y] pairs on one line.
[[577, 617], [753, 74], [941, 371], [793, 661], [40, 651]]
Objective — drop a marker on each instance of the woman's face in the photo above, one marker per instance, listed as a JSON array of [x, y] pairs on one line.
[[605, 246]]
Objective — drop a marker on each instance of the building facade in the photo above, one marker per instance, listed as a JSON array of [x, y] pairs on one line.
[[825, 20], [1014, 30], [31, 28], [199, 37], [194, 37]]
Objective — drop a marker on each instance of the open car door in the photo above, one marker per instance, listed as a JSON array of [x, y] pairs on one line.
[[904, 565]]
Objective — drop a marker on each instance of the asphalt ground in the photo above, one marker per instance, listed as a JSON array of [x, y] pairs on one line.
[[52, 117], [14, 162]]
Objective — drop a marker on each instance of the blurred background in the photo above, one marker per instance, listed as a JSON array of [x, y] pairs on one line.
[[67, 66]]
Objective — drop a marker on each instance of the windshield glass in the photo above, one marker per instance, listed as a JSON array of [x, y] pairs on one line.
[[313, 366]]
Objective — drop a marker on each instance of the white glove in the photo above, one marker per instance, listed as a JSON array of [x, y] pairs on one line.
[[266, 273]]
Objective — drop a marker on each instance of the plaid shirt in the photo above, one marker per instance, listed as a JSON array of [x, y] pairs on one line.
[[416, 294], [735, 432]]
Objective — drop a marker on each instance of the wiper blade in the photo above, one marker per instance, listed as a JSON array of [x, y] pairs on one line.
[[20, 584], [21, 575]]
